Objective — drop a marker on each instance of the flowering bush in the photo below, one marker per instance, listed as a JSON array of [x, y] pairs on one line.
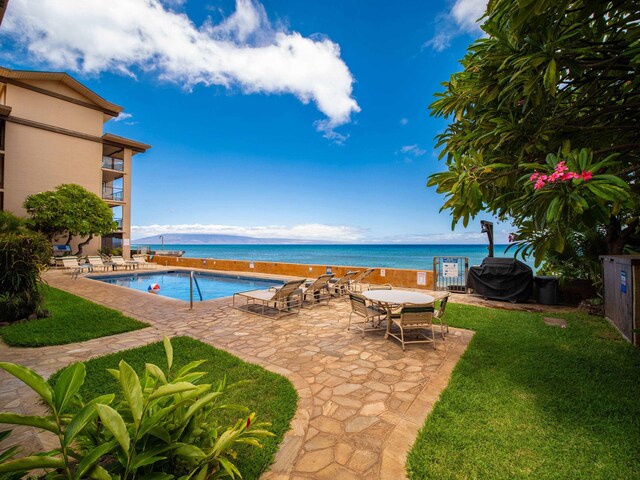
[[560, 174]]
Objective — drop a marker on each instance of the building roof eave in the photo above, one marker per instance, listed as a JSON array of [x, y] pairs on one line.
[[116, 140]]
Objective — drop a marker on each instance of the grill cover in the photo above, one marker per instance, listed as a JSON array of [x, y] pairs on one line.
[[502, 279]]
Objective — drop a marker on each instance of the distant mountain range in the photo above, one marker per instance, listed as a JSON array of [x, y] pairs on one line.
[[217, 239]]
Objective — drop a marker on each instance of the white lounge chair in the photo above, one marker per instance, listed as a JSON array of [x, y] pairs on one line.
[[74, 267], [142, 261], [341, 285], [119, 262], [96, 262], [318, 290], [285, 300]]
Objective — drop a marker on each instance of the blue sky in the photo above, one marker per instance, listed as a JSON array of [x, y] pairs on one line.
[[274, 118]]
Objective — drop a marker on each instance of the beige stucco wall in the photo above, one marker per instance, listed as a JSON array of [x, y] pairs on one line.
[[37, 160], [53, 111]]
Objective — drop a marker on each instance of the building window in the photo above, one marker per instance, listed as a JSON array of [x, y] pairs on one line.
[[1, 170], [2, 123]]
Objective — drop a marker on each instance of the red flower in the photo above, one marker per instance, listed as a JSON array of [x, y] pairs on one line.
[[248, 423], [586, 176]]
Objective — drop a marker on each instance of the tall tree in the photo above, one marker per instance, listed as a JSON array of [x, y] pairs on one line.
[[69, 210], [545, 122]]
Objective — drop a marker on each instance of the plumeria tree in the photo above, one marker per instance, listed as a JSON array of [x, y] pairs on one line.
[[69, 210], [544, 124]]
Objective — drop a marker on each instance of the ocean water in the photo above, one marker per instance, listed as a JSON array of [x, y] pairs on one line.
[[418, 257]]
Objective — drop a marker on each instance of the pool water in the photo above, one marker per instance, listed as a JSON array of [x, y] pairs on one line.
[[175, 284]]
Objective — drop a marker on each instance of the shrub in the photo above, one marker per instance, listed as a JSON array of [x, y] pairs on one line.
[[166, 427], [23, 256]]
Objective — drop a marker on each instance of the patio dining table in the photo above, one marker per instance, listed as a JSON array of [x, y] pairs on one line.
[[389, 299]]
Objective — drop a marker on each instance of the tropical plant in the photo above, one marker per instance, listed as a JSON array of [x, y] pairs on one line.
[[167, 426], [23, 257], [72, 211], [554, 87]]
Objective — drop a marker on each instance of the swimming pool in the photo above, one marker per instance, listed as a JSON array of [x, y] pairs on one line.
[[175, 284]]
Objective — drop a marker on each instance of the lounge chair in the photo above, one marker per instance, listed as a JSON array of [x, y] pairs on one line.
[[142, 261], [119, 262], [341, 285], [356, 283], [318, 290], [437, 316], [370, 313], [71, 265], [286, 300], [417, 317], [96, 262]]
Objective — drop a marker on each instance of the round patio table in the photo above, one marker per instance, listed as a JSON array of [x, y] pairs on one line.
[[397, 297]]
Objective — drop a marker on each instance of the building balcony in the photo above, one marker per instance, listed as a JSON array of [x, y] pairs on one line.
[[113, 194], [111, 163], [119, 223]]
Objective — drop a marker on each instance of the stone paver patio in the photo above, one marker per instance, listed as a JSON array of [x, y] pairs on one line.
[[361, 402]]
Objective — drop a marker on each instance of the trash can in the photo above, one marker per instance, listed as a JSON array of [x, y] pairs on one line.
[[547, 290]]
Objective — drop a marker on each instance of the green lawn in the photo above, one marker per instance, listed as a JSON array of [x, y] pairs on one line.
[[533, 401], [72, 319], [270, 395]]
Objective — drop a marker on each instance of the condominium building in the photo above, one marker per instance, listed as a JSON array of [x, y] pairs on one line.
[[51, 132]]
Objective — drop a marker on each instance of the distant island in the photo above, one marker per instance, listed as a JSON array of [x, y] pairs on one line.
[[218, 239]]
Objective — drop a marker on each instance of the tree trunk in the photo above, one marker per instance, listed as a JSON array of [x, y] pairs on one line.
[[82, 244], [617, 238]]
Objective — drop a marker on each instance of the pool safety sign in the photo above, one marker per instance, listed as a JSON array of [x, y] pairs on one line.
[[623, 281], [450, 268], [422, 278]]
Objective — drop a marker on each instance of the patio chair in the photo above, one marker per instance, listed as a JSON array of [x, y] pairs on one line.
[[96, 262], [356, 283], [438, 314], [119, 262], [283, 300], [341, 285], [416, 317], [73, 266], [364, 309], [142, 261], [386, 286], [317, 291]]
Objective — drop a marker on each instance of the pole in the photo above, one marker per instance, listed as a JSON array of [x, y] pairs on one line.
[[487, 227], [191, 291]]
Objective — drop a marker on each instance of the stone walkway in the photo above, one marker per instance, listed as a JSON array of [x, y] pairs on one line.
[[361, 402]]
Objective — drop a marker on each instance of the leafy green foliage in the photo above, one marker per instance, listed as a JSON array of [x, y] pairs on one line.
[[528, 400], [69, 210], [553, 81], [23, 256], [167, 425], [71, 319]]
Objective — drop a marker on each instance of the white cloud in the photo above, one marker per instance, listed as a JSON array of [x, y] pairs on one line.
[[414, 150], [308, 231], [466, 14], [463, 17], [447, 238], [122, 116], [404, 121], [244, 50]]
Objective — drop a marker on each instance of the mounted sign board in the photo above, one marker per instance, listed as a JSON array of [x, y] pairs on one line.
[[422, 278], [329, 270], [250, 264], [450, 268], [623, 281], [382, 272], [126, 242]]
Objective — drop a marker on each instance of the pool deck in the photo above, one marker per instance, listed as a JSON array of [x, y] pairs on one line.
[[362, 400]]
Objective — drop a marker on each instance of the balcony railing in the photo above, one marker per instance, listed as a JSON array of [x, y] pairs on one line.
[[110, 193], [119, 222], [113, 163]]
